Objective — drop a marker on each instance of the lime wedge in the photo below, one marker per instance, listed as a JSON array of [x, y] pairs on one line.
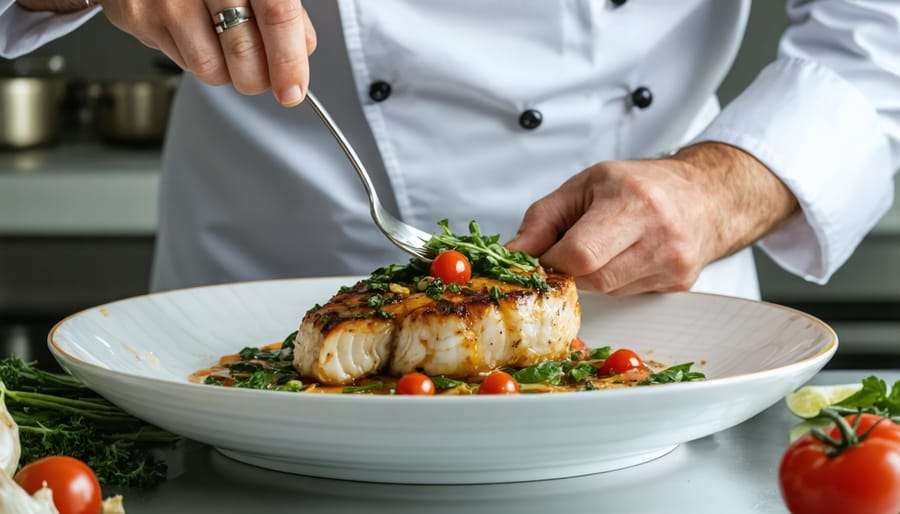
[[805, 426], [807, 401]]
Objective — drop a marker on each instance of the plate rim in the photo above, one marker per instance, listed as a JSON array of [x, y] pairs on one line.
[[60, 354]]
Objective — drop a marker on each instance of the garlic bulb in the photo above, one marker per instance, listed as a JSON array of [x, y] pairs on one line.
[[10, 450], [14, 499]]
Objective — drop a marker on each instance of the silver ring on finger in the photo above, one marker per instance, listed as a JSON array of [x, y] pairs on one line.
[[231, 17]]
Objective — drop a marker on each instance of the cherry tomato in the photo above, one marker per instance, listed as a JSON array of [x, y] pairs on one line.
[[620, 361], [451, 267], [74, 484], [577, 344], [499, 382], [862, 479], [415, 383]]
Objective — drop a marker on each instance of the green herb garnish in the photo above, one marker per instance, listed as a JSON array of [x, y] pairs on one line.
[[582, 370], [362, 388], [441, 383], [677, 373], [488, 258], [478, 247], [602, 353]]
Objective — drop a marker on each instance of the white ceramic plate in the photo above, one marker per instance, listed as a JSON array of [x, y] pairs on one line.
[[139, 352]]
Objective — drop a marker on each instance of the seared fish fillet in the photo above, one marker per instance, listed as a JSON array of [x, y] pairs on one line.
[[486, 325]]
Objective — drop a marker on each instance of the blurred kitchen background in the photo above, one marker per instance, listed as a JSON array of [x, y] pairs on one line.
[[77, 212]]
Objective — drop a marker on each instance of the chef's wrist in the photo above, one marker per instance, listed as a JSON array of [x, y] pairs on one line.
[[57, 6], [748, 199]]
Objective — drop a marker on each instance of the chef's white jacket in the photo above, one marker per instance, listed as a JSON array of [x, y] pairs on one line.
[[473, 109]]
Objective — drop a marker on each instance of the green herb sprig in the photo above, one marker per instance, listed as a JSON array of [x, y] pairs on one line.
[[58, 415], [488, 258], [874, 397], [672, 374], [481, 248]]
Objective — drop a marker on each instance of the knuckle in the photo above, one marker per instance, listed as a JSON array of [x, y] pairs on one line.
[[583, 258], [206, 66], [312, 42], [651, 194], [280, 14], [250, 87], [601, 281], [682, 265], [243, 48], [281, 61], [167, 13], [606, 280], [132, 15], [538, 210]]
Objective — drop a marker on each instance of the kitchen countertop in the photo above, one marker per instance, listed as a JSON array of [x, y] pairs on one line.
[[84, 188], [734, 471], [97, 189]]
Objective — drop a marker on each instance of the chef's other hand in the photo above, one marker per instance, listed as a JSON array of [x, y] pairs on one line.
[[270, 51], [627, 227]]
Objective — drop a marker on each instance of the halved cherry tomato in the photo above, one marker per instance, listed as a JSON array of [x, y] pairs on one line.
[[499, 382], [452, 267], [415, 383], [620, 361], [577, 344], [75, 487], [864, 478]]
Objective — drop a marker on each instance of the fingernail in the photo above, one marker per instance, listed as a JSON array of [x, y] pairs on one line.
[[290, 96]]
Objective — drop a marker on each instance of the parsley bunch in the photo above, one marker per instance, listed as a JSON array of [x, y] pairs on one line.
[[58, 415]]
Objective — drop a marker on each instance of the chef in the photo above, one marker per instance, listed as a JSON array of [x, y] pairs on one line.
[[586, 132]]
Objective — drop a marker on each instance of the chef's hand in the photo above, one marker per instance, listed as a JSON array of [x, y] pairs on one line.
[[627, 227], [268, 52]]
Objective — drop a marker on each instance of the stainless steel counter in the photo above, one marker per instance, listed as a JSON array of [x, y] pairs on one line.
[[79, 189], [734, 472]]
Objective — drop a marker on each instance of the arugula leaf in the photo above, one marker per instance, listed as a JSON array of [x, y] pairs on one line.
[[599, 354], [582, 370], [258, 380], [359, 389], [486, 255], [551, 372], [289, 340], [441, 383], [244, 367], [672, 374], [249, 353], [479, 247], [874, 396]]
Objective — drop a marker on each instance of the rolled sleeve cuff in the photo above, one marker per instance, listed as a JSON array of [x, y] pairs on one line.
[[825, 141], [22, 31]]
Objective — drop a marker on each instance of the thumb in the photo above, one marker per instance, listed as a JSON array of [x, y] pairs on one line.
[[542, 226]]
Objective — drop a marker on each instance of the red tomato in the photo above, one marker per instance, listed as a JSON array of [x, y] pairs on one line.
[[415, 383], [577, 344], [451, 267], [74, 484], [620, 361], [862, 479], [499, 382]]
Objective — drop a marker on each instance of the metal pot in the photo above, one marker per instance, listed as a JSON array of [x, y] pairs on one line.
[[134, 111], [32, 92]]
